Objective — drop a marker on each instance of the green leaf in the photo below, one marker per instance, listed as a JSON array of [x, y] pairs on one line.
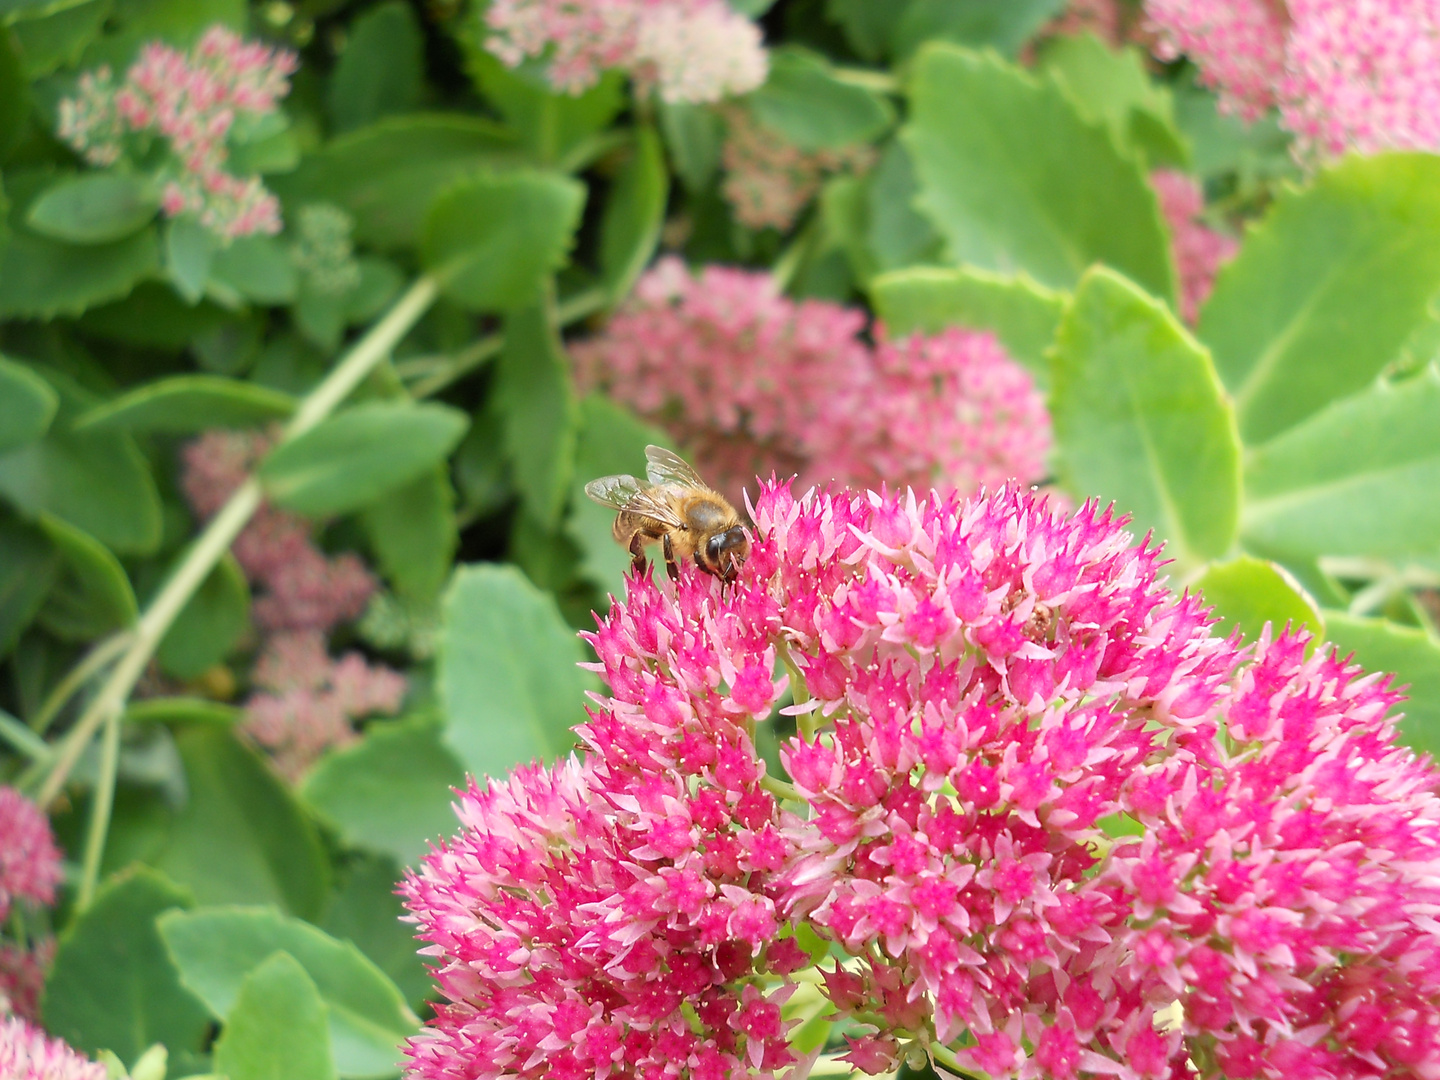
[[1114, 87], [1248, 592], [15, 101], [256, 268], [97, 481], [897, 234], [215, 948], [382, 69], [413, 534], [535, 398], [389, 793], [693, 136], [359, 454], [27, 405], [388, 174], [869, 27], [1357, 478], [1412, 655], [1326, 290], [1003, 25], [1007, 200], [210, 625], [153, 315], [185, 404], [51, 40], [366, 912], [611, 440], [810, 108], [182, 710], [93, 596], [551, 125], [1225, 146], [113, 986], [241, 838], [94, 208], [277, 1029], [506, 671], [41, 278], [1140, 418], [1023, 314], [190, 251], [634, 213], [494, 240], [29, 564]]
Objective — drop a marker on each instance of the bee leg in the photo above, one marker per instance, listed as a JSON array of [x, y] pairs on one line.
[[637, 552], [670, 566]]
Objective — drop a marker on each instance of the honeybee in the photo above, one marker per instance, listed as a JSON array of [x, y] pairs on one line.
[[677, 508]]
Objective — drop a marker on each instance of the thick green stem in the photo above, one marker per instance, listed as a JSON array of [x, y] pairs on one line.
[[224, 527], [22, 738], [96, 660], [946, 1059]]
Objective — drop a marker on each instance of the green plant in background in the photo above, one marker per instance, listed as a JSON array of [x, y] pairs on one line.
[[292, 445]]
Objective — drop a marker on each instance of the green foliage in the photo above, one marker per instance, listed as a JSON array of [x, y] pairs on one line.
[[1006, 200], [1326, 289], [356, 456], [94, 209], [92, 596], [277, 1027], [381, 71], [634, 214], [184, 404], [1140, 418], [218, 950], [506, 671], [809, 107], [114, 988], [390, 793], [27, 405], [210, 625], [1251, 593], [413, 533]]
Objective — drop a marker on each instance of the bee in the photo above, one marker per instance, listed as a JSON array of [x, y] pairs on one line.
[[677, 508]]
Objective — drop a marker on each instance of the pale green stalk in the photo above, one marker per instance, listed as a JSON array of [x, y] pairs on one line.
[[109, 702]]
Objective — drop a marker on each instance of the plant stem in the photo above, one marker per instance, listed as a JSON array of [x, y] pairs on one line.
[[224, 527], [95, 661], [22, 738], [944, 1056], [467, 360], [100, 810]]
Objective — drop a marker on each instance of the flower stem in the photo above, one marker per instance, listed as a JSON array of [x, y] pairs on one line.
[[96, 660], [217, 537], [100, 810], [945, 1057]]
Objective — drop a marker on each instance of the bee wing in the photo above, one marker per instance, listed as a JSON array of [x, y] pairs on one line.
[[651, 503], [615, 492], [664, 467]]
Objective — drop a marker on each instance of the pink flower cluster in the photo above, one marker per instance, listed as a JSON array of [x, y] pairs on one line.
[[29, 859], [305, 700], [769, 181], [689, 50], [26, 1053], [1054, 826], [1346, 74], [753, 382], [195, 103], [23, 972], [1199, 250]]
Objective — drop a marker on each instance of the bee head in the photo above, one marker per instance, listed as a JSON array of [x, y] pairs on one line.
[[726, 552]]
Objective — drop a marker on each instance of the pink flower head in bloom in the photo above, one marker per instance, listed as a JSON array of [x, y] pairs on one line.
[[29, 859], [753, 382], [1346, 74], [689, 50], [305, 701], [1199, 251], [769, 181], [26, 1053], [193, 102], [984, 687], [22, 977]]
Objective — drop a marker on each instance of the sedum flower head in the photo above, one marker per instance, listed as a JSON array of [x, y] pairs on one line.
[[1039, 814], [756, 382], [1358, 75], [27, 1054], [192, 103], [29, 860], [689, 50]]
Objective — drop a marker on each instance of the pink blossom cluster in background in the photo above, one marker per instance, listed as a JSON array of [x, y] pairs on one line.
[[27, 1053], [1199, 250], [752, 381], [689, 50], [23, 971], [194, 102], [995, 682], [769, 181], [305, 700], [30, 871], [1358, 75]]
